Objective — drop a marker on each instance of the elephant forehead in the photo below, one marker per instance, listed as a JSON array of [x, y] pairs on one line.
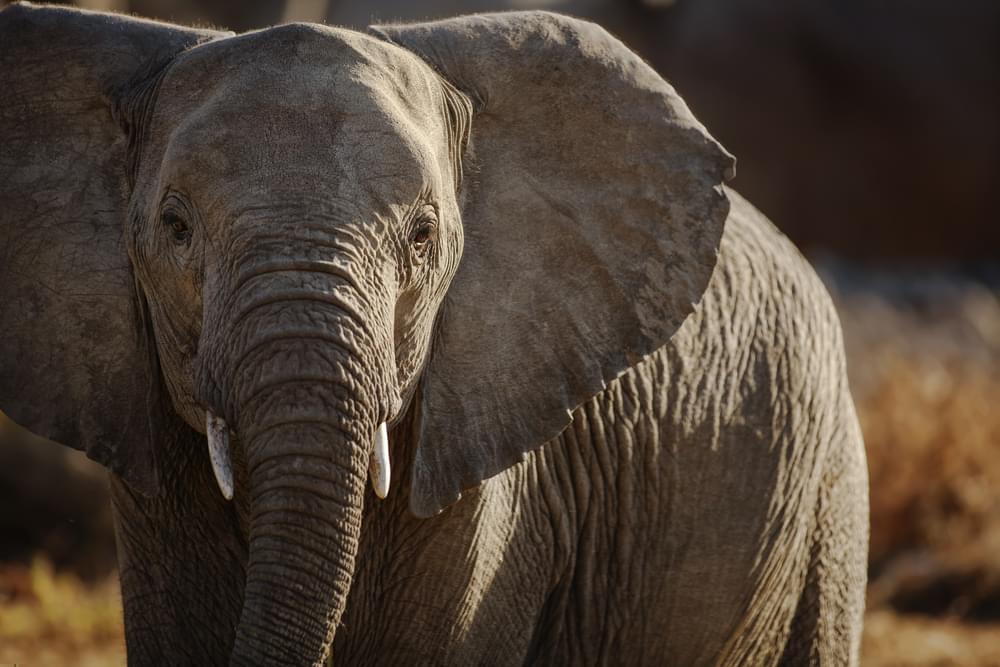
[[315, 65], [302, 95]]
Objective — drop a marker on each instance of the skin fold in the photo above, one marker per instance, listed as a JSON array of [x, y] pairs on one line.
[[617, 411]]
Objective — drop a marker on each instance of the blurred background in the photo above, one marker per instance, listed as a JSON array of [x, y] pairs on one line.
[[870, 133]]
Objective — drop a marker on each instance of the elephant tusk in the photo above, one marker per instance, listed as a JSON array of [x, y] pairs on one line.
[[378, 467], [218, 451]]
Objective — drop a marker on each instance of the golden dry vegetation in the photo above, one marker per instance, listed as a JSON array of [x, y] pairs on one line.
[[49, 618], [924, 360]]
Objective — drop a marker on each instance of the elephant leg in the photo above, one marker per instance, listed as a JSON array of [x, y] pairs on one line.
[[181, 562], [828, 619]]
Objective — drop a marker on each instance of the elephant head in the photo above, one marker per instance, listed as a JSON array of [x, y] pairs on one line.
[[299, 234]]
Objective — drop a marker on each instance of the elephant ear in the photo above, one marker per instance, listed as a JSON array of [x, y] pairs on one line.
[[593, 210], [73, 367]]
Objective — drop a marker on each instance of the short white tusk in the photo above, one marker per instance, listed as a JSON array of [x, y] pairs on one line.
[[218, 450], [378, 468]]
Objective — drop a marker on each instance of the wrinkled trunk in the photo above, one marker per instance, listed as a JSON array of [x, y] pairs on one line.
[[305, 412], [306, 489], [303, 540]]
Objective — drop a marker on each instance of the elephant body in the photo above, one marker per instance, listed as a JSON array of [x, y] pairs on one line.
[[489, 264], [602, 547]]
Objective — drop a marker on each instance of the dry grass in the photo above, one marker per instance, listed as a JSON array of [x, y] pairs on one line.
[[894, 640], [924, 360], [53, 619], [932, 433]]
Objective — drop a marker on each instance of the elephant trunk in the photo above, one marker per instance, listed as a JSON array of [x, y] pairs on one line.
[[306, 483], [302, 391]]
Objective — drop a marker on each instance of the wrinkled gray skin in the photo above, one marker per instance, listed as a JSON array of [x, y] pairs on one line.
[[505, 236]]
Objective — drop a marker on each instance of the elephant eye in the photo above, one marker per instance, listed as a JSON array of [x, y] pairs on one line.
[[424, 235], [177, 227]]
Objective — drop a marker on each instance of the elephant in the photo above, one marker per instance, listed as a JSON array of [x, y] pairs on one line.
[[436, 343]]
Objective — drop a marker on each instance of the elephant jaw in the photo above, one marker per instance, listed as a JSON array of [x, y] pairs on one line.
[[217, 430]]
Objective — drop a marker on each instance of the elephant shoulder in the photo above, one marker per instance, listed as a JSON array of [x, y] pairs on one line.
[[768, 280], [767, 320]]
